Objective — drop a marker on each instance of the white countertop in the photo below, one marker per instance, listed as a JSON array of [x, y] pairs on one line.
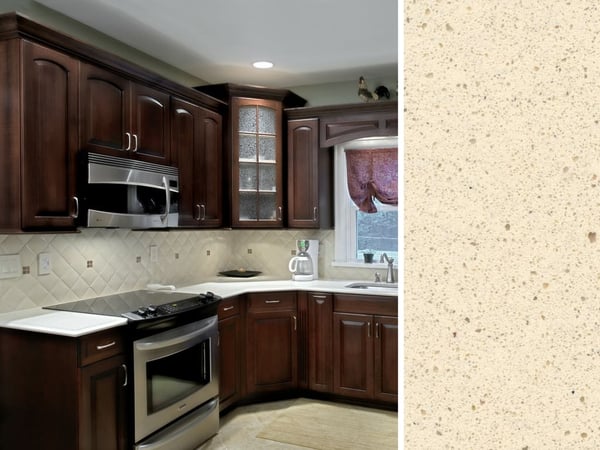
[[74, 324]]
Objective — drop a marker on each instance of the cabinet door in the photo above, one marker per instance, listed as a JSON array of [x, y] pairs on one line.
[[196, 143], [150, 124], [50, 115], [105, 111], [102, 414], [353, 355], [320, 342], [386, 358], [230, 360], [271, 351], [303, 171], [256, 163]]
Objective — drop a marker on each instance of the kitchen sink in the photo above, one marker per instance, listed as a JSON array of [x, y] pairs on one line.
[[374, 286]]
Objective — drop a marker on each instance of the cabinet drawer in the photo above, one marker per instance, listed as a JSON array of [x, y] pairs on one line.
[[97, 346], [229, 307], [366, 304], [272, 301]]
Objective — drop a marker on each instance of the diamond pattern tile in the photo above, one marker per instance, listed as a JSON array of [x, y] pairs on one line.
[[114, 252]]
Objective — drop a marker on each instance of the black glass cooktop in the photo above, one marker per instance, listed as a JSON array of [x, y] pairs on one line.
[[125, 302]]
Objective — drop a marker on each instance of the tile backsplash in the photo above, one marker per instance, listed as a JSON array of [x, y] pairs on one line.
[[97, 262]]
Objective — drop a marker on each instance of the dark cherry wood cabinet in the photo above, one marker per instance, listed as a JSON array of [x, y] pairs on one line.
[[63, 393], [253, 143], [231, 352], [196, 148], [39, 119], [320, 342], [309, 176], [365, 349], [122, 118], [271, 342]]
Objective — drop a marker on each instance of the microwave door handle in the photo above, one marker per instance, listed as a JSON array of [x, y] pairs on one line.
[[167, 199]]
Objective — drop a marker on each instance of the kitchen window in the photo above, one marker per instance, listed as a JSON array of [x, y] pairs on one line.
[[357, 232]]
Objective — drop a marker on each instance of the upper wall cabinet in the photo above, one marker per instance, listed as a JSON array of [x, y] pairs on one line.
[[60, 96], [254, 153], [196, 147], [123, 118], [38, 126]]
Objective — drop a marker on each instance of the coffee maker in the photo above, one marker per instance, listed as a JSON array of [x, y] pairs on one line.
[[305, 265]]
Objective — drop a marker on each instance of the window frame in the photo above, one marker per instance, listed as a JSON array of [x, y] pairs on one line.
[[345, 209]]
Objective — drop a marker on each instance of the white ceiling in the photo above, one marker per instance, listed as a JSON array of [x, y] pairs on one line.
[[309, 41]]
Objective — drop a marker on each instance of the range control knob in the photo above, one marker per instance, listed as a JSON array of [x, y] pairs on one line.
[[142, 311], [209, 294]]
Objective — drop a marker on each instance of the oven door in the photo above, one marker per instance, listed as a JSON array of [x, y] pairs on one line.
[[174, 372]]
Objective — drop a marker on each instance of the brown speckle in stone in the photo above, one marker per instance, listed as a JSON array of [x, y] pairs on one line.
[[507, 227], [565, 169], [472, 141], [454, 334], [429, 75], [423, 412], [582, 399], [427, 11], [592, 236], [467, 320], [584, 435], [449, 27], [438, 432], [545, 285], [567, 433], [536, 68], [473, 407]]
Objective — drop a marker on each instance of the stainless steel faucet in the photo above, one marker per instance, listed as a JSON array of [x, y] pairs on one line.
[[390, 270]]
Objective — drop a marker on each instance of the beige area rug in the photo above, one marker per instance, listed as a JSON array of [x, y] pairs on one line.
[[332, 426]]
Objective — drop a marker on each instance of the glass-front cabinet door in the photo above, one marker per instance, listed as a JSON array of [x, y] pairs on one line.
[[257, 166]]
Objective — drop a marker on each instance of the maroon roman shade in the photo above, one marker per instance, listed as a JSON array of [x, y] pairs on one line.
[[372, 173]]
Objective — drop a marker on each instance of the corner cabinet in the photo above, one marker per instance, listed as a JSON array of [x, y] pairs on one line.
[[63, 393], [196, 148], [271, 342], [253, 143], [39, 122]]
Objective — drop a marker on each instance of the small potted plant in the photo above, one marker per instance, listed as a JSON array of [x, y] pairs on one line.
[[368, 256]]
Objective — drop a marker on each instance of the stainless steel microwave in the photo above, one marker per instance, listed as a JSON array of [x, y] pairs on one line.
[[126, 193]]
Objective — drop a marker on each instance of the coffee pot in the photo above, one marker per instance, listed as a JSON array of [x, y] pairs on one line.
[[301, 265]]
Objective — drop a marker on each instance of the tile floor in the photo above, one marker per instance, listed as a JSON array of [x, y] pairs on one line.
[[239, 428]]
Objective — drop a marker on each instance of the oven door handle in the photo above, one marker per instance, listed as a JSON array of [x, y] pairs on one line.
[[147, 345]]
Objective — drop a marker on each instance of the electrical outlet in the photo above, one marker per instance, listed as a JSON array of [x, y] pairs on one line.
[[44, 264], [154, 253]]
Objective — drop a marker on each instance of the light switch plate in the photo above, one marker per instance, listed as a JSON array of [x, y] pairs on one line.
[[44, 264], [10, 266]]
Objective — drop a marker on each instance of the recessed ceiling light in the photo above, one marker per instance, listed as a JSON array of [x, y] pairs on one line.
[[262, 64]]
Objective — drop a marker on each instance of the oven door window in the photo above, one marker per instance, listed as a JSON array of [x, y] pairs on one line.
[[172, 378]]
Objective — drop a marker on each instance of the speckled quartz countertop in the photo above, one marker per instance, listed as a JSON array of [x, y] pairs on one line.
[[78, 324]]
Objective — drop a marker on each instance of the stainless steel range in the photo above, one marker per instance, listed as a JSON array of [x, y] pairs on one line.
[[174, 355]]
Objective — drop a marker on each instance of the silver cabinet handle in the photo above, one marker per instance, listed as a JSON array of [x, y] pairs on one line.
[[128, 141], [228, 308], [272, 301], [124, 370], [75, 214], [376, 330], [369, 329], [203, 208], [135, 144], [295, 322], [320, 301], [167, 200], [102, 347], [280, 216], [197, 218], [315, 210]]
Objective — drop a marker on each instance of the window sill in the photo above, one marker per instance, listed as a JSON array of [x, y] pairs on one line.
[[361, 265]]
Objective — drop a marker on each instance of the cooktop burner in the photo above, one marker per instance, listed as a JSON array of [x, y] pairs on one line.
[[140, 305]]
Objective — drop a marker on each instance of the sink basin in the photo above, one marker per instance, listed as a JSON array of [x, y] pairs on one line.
[[374, 286]]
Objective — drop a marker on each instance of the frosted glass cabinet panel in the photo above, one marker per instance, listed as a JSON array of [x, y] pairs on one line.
[[257, 165]]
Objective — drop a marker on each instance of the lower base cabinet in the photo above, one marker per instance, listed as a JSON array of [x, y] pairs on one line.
[[62, 393], [230, 352], [271, 342], [365, 348]]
